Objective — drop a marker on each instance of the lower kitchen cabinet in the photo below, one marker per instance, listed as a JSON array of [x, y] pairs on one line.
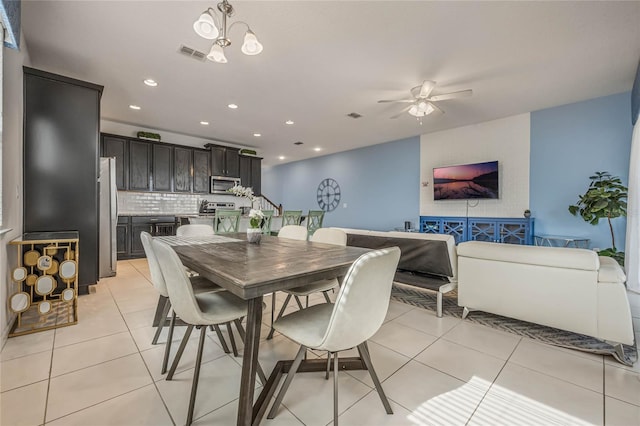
[[129, 244]]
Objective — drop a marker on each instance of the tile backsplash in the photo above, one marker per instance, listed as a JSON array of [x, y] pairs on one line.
[[167, 203]]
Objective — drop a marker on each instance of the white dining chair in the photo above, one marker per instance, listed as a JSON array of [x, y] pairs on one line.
[[293, 232], [358, 313], [198, 284], [194, 230], [322, 235], [198, 310]]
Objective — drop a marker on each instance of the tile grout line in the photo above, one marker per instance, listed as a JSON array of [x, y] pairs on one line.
[[46, 401]]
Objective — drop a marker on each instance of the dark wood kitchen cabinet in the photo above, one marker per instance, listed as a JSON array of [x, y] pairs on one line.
[[129, 228], [201, 170], [251, 173], [139, 165], [118, 148], [122, 236], [182, 170], [162, 170], [225, 161]]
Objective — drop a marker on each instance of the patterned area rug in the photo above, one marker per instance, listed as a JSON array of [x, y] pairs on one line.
[[427, 299]]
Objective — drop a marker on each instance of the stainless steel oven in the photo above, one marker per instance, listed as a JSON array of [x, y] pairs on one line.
[[220, 184]]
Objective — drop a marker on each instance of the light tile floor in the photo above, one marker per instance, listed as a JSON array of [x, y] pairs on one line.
[[104, 371]]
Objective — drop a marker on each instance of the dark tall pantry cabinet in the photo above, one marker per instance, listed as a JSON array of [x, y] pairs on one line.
[[61, 136]]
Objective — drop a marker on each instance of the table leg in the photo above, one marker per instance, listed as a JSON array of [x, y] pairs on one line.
[[250, 362]]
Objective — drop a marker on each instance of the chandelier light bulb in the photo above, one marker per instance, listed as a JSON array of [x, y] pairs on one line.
[[205, 27], [216, 54], [251, 46]]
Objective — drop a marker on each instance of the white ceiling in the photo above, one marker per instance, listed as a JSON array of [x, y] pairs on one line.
[[323, 60]]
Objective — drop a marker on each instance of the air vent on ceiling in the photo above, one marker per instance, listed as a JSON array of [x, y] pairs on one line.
[[298, 143], [354, 115], [193, 53]]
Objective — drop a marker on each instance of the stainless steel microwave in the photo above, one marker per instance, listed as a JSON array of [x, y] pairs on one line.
[[220, 184]]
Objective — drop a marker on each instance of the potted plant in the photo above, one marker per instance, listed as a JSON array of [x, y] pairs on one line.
[[606, 197]]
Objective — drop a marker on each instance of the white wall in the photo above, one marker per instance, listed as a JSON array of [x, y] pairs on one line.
[[123, 129], [506, 140], [12, 99]]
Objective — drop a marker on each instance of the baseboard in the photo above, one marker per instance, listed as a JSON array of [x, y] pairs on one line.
[[5, 332]]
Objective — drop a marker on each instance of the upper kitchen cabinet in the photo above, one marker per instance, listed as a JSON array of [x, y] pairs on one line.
[[251, 173], [117, 147], [201, 170], [225, 161], [183, 169], [162, 171], [60, 162], [139, 165]]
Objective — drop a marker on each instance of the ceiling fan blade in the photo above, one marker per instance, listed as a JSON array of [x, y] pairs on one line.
[[426, 88], [400, 113], [382, 101], [436, 107], [452, 95]]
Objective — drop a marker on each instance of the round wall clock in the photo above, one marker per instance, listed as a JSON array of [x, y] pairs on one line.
[[328, 195]]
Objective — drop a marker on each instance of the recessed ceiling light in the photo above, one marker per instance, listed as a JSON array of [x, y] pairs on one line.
[[136, 107], [317, 149], [150, 82], [257, 135], [281, 157], [233, 106], [204, 123], [289, 122]]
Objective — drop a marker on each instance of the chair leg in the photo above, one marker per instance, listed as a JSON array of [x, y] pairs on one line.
[[196, 375], [326, 296], [183, 344], [326, 376], [299, 303], [167, 347], [284, 306], [335, 388], [363, 349], [232, 340], [439, 306], [307, 301], [240, 328], [165, 312], [223, 342], [292, 371], [465, 312], [273, 309]]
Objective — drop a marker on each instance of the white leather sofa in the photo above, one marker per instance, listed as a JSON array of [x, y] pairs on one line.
[[566, 288], [431, 266]]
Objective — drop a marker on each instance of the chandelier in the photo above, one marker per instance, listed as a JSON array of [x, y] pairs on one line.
[[207, 26]]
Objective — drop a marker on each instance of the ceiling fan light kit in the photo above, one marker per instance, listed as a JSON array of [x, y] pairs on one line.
[[422, 103], [208, 27]]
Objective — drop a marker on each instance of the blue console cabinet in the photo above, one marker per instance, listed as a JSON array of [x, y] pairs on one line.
[[495, 229]]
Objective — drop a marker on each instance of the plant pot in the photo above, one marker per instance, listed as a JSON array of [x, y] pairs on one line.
[[254, 235]]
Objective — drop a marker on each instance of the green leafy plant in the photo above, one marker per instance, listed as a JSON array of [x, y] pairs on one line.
[[606, 197], [148, 135]]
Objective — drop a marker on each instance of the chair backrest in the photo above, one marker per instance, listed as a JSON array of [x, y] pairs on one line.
[[293, 232], [266, 223], [291, 217], [363, 300], [226, 221], [194, 230], [157, 279], [329, 236], [179, 287], [314, 220]]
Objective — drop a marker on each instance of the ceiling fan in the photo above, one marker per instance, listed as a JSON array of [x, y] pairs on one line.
[[422, 103]]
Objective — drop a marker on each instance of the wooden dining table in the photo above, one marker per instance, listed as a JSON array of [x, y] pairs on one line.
[[252, 270]]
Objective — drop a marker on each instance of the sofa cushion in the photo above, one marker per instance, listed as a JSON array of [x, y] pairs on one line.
[[610, 271], [558, 257], [418, 254]]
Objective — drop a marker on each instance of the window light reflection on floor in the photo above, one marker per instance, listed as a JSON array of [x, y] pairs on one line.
[[500, 406]]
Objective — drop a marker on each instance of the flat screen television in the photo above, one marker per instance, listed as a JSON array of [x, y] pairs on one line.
[[466, 182]]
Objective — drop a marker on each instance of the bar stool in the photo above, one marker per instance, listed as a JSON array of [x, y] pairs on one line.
[[314, 220], [199, 310], [291, 217], [357, 315], [226, 221]]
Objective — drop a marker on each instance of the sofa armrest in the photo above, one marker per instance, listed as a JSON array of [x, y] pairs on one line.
[[610, 271]]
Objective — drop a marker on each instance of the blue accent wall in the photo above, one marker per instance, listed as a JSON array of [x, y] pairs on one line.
[[568, 144], [10, 13], [380, 185]]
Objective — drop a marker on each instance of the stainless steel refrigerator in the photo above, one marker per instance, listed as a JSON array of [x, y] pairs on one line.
[[108, 217]]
